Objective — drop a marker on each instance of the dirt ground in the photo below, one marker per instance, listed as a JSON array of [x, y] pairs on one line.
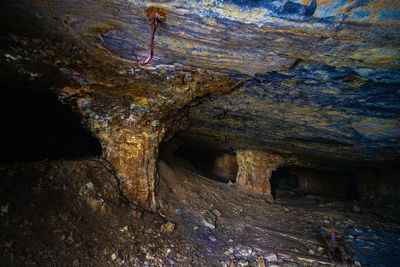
[[70, 213]]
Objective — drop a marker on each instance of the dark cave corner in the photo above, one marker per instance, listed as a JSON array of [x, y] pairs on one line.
[[208, 161], [294, 180], [36, 126]]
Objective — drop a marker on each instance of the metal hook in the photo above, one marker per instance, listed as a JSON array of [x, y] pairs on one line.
[[156, 15]]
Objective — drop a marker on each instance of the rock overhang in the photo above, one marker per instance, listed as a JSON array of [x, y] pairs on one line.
[[315, 78]]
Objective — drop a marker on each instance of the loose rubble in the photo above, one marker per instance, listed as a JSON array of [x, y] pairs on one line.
[[56, 224]]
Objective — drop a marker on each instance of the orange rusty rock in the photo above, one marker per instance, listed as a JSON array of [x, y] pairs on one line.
[[155, 12], [130, 128], [255, 170], [134, 162]]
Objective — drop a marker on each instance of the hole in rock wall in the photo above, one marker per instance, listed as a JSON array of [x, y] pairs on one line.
[[36, 126], [208, 161], [283, 180], [300, 180]]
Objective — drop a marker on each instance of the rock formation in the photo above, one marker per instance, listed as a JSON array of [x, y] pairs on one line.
[[255, 170], [317, 81]]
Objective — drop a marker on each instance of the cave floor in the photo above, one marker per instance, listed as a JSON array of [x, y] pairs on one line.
[[69, 213]]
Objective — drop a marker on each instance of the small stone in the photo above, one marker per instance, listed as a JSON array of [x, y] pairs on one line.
[[356, 209], [261, 262], [286, 209], [124, 229], [242, 263], [188, 77], [311, 252], [229, 251], [217, 212], [209, 219], [115, 255], [75, 262], [244, 250], [271, 257], [320, 250], [9, 56], [137, 214], [166, 251], [327, 221], [230, 240], [212, 238], [208, 224], [357, 263], [195, 227], [70, 238], [167, 227]]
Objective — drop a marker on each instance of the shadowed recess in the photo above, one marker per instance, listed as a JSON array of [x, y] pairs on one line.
[[36, 126]]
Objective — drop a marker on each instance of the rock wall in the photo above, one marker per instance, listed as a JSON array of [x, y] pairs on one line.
[[255, 170], [382, 185], [333, 184], [314, 78], [225, 166]]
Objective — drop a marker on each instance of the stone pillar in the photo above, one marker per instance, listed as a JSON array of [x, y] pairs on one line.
[[134, 158], [255, 170], [131, 115]]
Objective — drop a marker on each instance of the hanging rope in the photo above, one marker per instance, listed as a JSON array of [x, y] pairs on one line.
[[156, 16]]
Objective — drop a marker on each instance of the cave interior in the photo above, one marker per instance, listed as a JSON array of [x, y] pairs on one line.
[[256, 133]]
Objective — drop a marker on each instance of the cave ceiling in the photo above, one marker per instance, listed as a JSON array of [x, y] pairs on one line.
[[317, 78]]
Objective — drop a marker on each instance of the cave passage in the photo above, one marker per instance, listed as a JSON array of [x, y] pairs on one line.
[[36, 126], [300, 181], [283, 179], [208, 161]]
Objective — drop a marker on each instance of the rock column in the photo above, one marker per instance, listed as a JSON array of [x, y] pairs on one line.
[[130, 116], [134, 158], [255, 170]]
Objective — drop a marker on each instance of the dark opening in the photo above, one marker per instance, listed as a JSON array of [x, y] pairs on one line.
[[208, 161], [298, 180], [283, 180], [36, 126]]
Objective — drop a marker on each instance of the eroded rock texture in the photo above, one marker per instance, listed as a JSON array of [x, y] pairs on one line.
[[311, 79], [255, 170], [130, 131]]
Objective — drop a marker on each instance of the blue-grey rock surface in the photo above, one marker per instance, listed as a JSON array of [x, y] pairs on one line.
[[306, 77]]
